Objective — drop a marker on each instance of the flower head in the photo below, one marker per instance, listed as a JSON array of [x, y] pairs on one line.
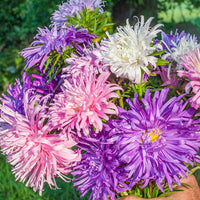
[[49, 40], [15, 97], [36, 155], [191, 70], [88, 60], [176, 45], [127, 52], [73, 7], [99, 170], [157, 139], [84, 102]]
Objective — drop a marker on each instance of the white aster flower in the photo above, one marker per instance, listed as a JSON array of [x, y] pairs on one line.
[[127, 52]]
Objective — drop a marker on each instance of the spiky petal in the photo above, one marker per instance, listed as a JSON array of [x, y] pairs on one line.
[[157, 138], [191, 70], [73, 7], [127, 52], [84, 101], [36, 155]]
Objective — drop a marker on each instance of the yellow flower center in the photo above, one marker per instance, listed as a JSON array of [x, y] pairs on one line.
[[154, 134]]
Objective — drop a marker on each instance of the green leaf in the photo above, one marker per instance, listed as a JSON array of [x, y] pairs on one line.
[[162, 62]]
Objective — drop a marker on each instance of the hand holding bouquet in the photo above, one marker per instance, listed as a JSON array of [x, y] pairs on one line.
[[119, 111]]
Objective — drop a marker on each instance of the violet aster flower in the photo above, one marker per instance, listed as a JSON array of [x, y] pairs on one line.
[[36, 155], [73, 7], [157, 139], [14, 98], [191, 70], [84, 102], [49, 40], [99, 170]]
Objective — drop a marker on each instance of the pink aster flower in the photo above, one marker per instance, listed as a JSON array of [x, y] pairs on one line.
[[86, 61], [191, 65], [84, 102], [36, 155]]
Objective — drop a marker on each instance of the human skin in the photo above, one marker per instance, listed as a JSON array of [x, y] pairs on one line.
[[188, 193]]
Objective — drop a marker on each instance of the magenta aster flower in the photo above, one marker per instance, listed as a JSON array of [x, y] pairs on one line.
[[84, 102], [157, 138], [99, 170], [191, 70], [72, 7], [36, 155], [50, 40]]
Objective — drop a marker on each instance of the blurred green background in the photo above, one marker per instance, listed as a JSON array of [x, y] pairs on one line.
[[19, 20]]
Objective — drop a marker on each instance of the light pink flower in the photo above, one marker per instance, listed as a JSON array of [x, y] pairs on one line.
[[168, 80], [191, 64], [89, 60], [37, 155], [84, 102]]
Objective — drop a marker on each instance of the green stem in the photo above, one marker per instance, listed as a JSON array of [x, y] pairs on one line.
[[140, 90], [121, 103]]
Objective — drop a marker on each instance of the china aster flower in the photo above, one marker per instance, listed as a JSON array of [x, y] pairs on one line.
[[86, 61], [168, 79], [47, 41], [176, 45], [128, 52], [15, 94], [191, 70], [36, 155], [73, 7], [84, 101], [157, 138], [99, 170]]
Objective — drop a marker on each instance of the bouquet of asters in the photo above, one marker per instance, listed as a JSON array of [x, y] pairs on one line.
[[117, 110]]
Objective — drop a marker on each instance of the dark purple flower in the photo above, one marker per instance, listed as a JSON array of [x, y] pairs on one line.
[[48, 41], [99, 170], [157, 138]]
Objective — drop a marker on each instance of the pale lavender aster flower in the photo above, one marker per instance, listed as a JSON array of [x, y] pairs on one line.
[[36, 155], [157, 138], [46, 41], [99, 171], [176, 45], [73, 7]]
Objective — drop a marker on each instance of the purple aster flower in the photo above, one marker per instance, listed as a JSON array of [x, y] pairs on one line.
[[99, 170], [49, 40], [74, 7], [157, 139], [14, 98], [15, 94]]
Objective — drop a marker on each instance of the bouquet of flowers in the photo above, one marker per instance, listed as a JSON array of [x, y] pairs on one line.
[[118, 111]]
